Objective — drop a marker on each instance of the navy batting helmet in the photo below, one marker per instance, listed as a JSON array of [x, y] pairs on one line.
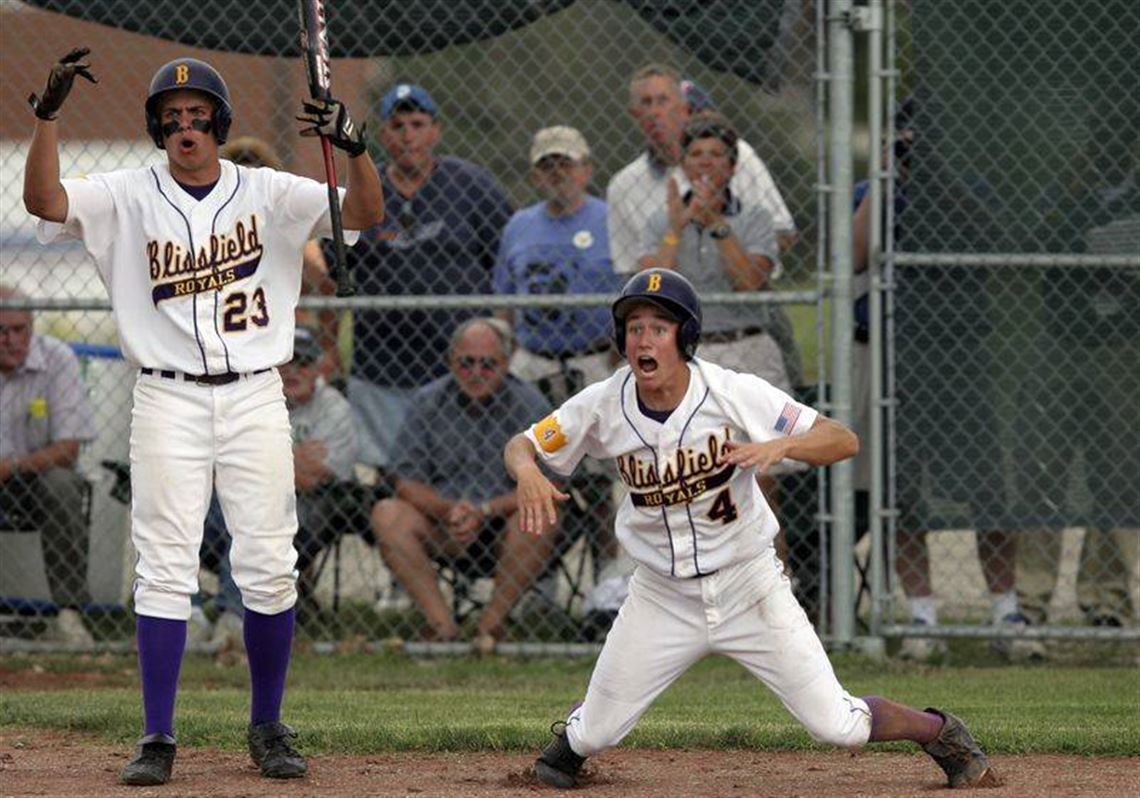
[[189, 73], [671, 292]]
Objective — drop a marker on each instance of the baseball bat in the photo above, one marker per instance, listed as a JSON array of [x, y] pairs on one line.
[[315, 45]]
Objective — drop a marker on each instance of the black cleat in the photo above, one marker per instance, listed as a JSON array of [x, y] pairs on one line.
[[152, 762], [960, 758], [271, 751], [558, 765]]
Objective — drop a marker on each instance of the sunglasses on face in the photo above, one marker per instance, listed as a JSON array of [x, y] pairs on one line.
[[553, 163], [469, 363]]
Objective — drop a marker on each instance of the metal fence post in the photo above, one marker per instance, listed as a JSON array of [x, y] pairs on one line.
[[841, 93]]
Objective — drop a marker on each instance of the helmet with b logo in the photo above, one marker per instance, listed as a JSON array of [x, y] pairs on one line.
[[189, 73], [672, 293]]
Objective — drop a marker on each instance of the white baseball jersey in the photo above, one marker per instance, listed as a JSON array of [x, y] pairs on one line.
[[688, 512], [202, 287]]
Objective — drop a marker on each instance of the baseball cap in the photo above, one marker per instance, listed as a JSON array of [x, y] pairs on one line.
[[558, 140], [407, 97], [306, 347], [696, 96]]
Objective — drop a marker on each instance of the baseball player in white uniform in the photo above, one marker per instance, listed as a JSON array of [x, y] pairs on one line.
[[688, 438], [202, 261]]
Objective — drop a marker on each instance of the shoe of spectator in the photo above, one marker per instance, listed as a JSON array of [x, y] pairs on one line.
[[1104, 619], [70, 630], [152, 762], [228, 632], [922, 649], [1014, 650], [199, 630]]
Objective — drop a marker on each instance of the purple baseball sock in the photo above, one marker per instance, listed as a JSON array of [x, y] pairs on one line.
[[161, 643], [268, 644]]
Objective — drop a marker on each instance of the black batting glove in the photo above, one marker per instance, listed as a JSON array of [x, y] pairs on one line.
[[330, 118], [59, 83]]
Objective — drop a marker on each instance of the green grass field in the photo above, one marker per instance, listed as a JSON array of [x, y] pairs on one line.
[[366, 703]]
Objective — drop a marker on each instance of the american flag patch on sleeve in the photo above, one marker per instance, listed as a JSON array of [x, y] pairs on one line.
[[788, 418]]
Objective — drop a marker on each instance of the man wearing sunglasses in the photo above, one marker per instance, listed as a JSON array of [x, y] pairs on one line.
[[454, 502]]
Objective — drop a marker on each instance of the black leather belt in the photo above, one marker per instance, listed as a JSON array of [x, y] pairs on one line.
[[225, 378], [727, 336]]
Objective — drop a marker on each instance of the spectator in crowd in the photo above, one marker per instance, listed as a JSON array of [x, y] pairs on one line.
[[440, 235], [324, 453], [1082, 392], [252, 151], [661, 106], [44, 417], [560, 246], [996, 548], [722, 244], [752, 182], [454, 502], [752, 179]]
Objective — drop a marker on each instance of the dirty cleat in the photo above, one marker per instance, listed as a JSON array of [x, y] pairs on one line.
[[152, 762], [270, 750], [558, 765], [960, 758]]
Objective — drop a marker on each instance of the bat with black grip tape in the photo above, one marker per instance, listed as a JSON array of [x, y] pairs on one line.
[[315, 45]]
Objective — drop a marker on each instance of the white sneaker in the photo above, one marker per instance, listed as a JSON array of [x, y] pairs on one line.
[[228, 632], [69, 629], [198, 628], [922, 649]]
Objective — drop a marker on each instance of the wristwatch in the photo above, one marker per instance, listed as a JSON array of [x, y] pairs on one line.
[[485, 509], [720, 231]]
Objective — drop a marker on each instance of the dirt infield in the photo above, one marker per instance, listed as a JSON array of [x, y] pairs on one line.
[[59, 764]]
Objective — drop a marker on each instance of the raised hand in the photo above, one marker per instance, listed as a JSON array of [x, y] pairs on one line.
[[59, 83], [330, 118], [706, 203]]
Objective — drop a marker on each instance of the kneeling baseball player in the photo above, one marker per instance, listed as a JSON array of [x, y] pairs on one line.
[[688, 438], [202, 261]]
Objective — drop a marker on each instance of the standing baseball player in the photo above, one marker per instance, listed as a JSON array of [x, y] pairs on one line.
[[202, 261], [688, 438]]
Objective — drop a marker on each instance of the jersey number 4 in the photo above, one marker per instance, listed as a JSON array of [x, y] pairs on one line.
[[723, 508], [243, 309]]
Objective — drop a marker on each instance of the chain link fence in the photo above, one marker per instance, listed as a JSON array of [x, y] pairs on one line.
[[1013, 323], [1009, 403], [390, 409]]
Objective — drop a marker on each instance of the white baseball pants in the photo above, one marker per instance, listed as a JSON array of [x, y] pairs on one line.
[[747, 612], [181, 433]]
